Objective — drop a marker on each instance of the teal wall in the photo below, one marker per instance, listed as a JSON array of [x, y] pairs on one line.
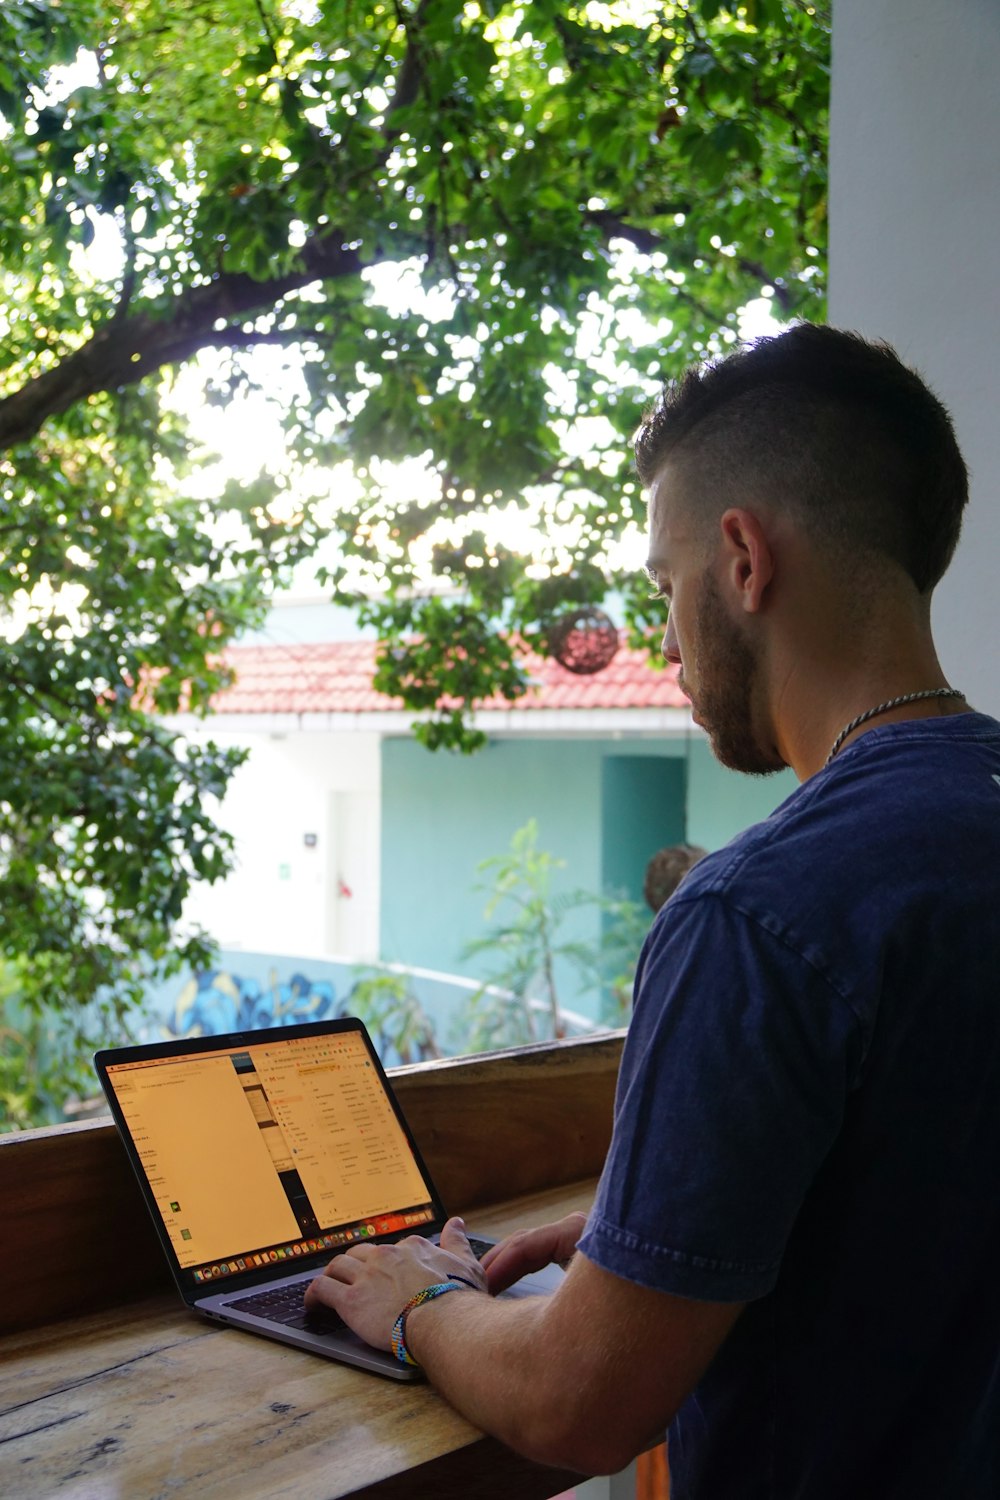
[[443, 814], [602, 806], [722, 803], [642, 808]]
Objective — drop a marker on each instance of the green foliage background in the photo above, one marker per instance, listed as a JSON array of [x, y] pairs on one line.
[[578, 198]]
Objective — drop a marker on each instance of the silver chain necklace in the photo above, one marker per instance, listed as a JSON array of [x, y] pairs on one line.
[[883, 708]]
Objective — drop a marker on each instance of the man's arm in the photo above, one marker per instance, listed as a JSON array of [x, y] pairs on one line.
[[584, 1379]]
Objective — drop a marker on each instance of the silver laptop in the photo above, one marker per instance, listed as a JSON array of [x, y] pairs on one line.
[[261, 1155]]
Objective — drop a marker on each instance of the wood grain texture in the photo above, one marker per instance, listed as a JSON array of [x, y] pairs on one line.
[[516, 1122], [75, 1235], [148, 1402]]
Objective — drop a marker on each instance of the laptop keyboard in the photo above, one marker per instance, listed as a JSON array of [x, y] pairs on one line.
[[285, 1305], [480, 1247]]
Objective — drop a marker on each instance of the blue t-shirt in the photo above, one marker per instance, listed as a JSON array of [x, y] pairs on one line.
[[808, 1120]]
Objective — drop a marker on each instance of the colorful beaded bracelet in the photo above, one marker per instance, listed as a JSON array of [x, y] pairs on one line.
[[398, 1335]]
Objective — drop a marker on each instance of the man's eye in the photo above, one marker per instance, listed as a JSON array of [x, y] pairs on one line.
[[659, 593]]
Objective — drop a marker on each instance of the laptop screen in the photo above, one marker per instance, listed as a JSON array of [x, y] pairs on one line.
[[261, 1153]]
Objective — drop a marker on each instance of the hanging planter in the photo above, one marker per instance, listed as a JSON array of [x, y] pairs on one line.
[[584, 641]]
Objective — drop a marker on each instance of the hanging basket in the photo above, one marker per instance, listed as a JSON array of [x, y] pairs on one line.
[[584, 640]]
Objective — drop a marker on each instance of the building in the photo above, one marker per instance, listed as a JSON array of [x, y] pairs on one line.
[[353, 839]]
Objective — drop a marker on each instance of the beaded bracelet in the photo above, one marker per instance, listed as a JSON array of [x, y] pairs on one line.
[[398, 1335]]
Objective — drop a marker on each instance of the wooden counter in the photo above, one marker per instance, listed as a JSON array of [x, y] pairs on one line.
[[139, 1399], [151, 1401]]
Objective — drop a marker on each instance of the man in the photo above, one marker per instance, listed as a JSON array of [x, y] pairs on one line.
[[794, 1256]]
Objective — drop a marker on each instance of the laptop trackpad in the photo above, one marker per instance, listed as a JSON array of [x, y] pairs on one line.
[[544, 1281]]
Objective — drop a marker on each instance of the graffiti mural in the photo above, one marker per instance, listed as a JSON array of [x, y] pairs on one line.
[[219, 1001]]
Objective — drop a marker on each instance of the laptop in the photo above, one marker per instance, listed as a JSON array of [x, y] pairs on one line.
[[261, 1155]]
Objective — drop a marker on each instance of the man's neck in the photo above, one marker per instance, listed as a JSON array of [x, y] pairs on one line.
[[823, 693]]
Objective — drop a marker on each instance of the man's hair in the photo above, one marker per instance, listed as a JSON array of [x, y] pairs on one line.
[[665, 871], [823, 423]]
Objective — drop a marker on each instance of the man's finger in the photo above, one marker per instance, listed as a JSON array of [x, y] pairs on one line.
[[359, 1252], [324, 1292], [343, 1268], [531, 1250], [516, 1258], [454, 1237], [499, 1248]]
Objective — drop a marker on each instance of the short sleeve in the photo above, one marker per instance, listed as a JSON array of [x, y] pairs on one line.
[[733, 1086]]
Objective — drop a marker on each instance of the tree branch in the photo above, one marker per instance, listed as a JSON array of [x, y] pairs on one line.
[[133, 344], [614, 227], [128, 276], [126, 349], [411, 72], [782, 295], [250, 338], [647, 241], [268, 31]]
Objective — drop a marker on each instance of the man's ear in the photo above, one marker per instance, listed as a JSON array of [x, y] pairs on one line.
[[747, 557]]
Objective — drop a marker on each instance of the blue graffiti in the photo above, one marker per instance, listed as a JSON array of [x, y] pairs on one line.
[[217, 1001]]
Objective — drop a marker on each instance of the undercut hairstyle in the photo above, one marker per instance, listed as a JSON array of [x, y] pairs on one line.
[[828, 426]]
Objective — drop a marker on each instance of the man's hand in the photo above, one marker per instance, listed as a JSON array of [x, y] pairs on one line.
[[369, 1285], [531, 1250]]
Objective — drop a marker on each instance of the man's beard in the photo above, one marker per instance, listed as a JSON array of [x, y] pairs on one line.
[[728, 670]]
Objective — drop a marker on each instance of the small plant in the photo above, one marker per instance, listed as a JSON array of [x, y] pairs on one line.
[[394, 1015], [493, 1019], [46, 1053], [519, 1001], [22, 1097], [626, 924]]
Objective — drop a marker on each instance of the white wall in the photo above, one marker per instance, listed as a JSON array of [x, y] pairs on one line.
[[284, 896], [915, 254]]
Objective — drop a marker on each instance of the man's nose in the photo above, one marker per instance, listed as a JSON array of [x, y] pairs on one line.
[[670, 648]]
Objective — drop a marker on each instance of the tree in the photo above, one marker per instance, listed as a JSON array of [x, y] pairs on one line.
[[484, 232]]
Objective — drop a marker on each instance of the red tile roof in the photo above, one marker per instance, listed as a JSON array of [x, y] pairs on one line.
[[336, 677]]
